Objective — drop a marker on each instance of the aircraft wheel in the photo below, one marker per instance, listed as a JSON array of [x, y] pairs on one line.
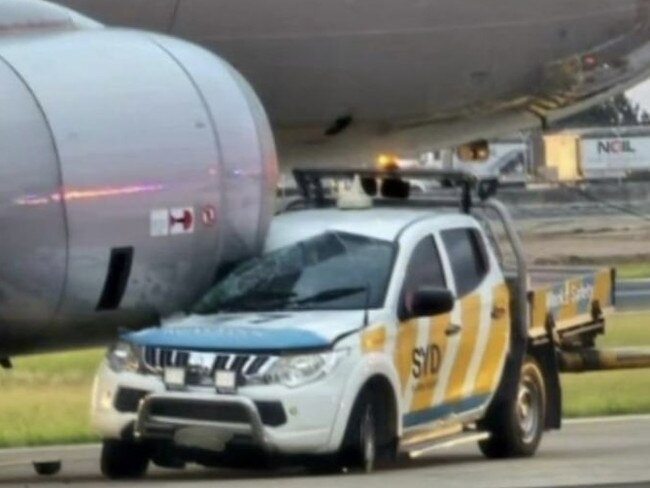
[[47, 469]]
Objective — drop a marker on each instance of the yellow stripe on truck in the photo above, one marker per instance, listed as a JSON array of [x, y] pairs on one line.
[[539, 309], [569, 310], [470, 323], [424, 389], [407, 336], [489, 373], [374, 340], [603, 288]]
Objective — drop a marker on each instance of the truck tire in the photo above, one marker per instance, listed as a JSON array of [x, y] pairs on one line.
[[517, 424], [359, 450], [123, 460]]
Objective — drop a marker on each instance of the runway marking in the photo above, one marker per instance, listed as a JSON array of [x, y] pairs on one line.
[[607, 420]]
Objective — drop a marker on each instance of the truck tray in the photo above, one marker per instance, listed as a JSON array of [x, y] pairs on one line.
[[574, 299]]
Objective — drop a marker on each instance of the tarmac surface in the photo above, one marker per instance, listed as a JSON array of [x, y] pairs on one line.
[[594, 452], [633, 295]]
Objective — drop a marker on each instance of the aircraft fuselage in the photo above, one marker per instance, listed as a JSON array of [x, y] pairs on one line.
[[383, 61]]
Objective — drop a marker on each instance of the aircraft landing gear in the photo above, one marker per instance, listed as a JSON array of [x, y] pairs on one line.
[[47, 469]]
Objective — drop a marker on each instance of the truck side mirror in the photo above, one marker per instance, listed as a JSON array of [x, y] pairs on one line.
[[429, 301]]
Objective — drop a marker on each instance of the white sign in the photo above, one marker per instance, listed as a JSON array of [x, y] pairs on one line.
[[615, 154], [159, 222], [173, 221]]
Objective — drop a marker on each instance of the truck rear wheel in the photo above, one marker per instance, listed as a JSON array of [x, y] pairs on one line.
[[124, 460], [517, 424]]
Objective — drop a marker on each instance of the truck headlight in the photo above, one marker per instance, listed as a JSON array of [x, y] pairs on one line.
[[299, 370], [123, 356]]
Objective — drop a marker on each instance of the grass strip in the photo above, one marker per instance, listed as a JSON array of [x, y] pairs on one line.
[[633, 271], [46, 399]]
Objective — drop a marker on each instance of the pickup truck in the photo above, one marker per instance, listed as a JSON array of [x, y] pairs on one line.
[[393, 327]]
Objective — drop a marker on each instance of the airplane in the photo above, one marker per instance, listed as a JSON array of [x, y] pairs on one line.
[[346, 79], [135, 167]]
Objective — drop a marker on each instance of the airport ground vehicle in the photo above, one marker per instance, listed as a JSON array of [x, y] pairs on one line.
[[575, 155], [359, 334]]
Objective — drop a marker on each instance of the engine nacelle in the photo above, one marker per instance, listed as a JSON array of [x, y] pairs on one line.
[[133, 166]]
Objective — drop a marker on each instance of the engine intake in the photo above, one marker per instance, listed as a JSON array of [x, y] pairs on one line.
[[114, 140]]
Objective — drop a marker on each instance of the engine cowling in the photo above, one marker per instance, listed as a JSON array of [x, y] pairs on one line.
[[133, 167]]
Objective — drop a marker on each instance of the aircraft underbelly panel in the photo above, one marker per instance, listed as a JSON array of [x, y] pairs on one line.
[[381, 60]]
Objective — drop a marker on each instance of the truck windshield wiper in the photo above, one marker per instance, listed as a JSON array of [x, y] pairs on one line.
[[250, 302], [263, 299], [329, 295]]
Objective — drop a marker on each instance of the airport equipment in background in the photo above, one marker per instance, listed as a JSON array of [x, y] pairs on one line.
[[508, 159], [597, 153], [366, 329]]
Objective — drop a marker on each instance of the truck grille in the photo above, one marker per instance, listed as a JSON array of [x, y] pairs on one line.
[[158, 358], [271, 413], [201, 411], [201, 366]]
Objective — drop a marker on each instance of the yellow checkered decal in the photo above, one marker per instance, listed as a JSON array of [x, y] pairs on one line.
[[453, 362]]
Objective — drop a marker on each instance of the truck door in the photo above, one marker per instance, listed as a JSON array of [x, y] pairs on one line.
[[479, 337], [421, 342]]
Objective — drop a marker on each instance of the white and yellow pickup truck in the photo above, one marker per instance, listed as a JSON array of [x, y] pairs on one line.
[[359, 334]]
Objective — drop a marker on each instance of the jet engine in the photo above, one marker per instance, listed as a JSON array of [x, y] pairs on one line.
[[133, 168]]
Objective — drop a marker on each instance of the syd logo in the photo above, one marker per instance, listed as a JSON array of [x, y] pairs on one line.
[[426, 361]]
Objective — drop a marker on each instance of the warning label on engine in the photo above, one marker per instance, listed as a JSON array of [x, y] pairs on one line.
[[171, 221], [181, 220], [159, 222]]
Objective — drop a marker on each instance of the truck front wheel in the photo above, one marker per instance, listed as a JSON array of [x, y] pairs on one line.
[[124, 460], [360, 444], [517, 424]]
